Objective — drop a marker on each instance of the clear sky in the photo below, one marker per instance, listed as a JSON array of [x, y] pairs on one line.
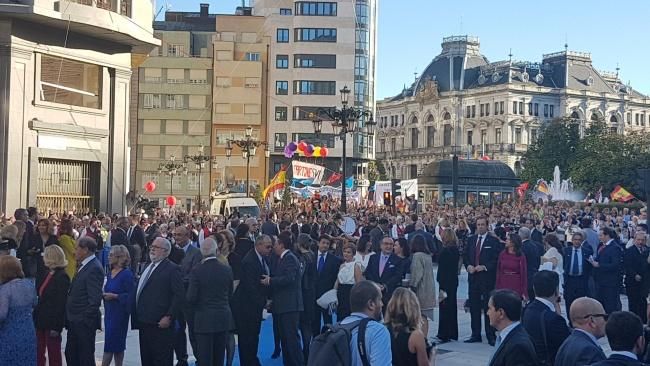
[[410, 33]]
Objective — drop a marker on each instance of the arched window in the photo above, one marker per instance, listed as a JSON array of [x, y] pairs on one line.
[[430, 118], [447, 116], [575, 115], [517, 168], [595, 117], [613, 119], [414, 120]]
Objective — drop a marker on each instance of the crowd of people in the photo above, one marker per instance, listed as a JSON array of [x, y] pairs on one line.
[[176, 276]]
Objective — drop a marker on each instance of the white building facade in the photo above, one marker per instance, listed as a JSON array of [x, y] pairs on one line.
[[463, 104], [64, 101]]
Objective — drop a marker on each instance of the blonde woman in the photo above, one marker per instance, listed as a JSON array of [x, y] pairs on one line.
[[10, 233], [404, 321], [119, 283], [49, 313]]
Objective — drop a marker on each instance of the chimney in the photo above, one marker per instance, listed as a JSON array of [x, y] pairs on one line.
[[204, 10]]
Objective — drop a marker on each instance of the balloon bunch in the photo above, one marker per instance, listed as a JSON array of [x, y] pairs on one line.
[[303, 149]]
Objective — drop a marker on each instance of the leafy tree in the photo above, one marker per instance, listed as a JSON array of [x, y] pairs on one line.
[[286, 196], [376, 171], [257, 195], [556, 145]]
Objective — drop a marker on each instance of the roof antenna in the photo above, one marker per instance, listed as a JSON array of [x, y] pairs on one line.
[[415, 75], [510, 55], [566, 43], [617, 70]]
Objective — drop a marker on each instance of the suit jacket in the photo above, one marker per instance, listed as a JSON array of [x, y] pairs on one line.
[[286, 288], [586, 253], [242, 247], [376, 234], [488, 257], [137, 237], [608, 273], [250, 296], [209, 293], [578, 350], [534, 252], [619, 360], [515, 350], [448, 269], [538, 315], [270, 228], [391, 278], [324, 281], [161, 296], [537, 235], [85, 295], [49, 313], [635, 263], [191, 259], [118, 237]]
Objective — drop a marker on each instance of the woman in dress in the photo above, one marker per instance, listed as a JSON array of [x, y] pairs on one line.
[[67, 243], [49, 314], [42, 238], [119, 284], [462, 233], [422, 283], [350, 272], [363, 251], [552, 260], [448, 282], [402, 249], [404, 321], [511, 267], [17, 300]]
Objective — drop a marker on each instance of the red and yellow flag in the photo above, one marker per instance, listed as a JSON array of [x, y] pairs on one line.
[[621, 194], [277, 183]]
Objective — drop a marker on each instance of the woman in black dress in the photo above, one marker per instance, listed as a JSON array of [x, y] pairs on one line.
[[448, 282]]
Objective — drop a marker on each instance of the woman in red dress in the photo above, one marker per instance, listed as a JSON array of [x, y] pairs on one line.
[[511, 267]]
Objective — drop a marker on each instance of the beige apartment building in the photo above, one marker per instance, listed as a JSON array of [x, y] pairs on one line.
[[241, 52], [64, 101], [317, 48], [174, 111]]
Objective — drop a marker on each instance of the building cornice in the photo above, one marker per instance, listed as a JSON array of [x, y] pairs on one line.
[[67, 129]]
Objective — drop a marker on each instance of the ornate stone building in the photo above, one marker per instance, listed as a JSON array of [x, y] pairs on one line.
[[463, 104]]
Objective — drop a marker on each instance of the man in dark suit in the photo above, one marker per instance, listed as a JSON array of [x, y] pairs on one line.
[[137, 240], [270, 226], [209, 292], [250, 299], [428, 237], [377, 232], [481, 256], [82, 308], [27, 252], [607, 271], [626, 339], [542, 318], [581, 347], [385, 269], [286, 294], [534, 252], [513, 346], [636, 276], [535, 234], [118, 235], [327, 269], [192, 258], [577, 269], [158, 297]]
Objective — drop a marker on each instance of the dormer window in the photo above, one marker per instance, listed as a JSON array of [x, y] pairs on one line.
[[525, 77], [590, 80], [539, 78]]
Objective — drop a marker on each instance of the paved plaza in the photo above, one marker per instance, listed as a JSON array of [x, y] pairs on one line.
[[449, 354]]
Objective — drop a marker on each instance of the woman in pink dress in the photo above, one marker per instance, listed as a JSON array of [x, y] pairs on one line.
[[511, 267]]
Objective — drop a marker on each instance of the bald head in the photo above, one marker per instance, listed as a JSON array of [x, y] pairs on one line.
[[588, 314]]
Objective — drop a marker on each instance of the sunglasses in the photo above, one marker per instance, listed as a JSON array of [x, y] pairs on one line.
[[604, 316]]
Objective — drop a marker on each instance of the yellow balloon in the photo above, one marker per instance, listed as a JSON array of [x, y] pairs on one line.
[[316, 151]]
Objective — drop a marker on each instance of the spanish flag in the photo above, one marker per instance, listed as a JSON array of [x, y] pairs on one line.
[[277, 183], [621, 194], [542, 186]]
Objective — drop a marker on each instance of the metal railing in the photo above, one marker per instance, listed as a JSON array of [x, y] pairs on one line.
[[64, 185], [122, 7]]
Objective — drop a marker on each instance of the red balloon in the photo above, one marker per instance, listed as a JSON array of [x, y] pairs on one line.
[[150, 186], [302, 146], [324, 151], [171, 201]]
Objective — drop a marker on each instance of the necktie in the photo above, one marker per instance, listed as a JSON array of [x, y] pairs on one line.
[[477, 252], [265, 267], [382, 264], [144, 280], [321, 263], [128, 235], [575, 267], [497, 344]]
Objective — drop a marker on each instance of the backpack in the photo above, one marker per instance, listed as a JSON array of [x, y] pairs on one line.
[[332, 347]]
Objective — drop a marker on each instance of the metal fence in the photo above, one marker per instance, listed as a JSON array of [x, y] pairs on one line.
[[65, 185]]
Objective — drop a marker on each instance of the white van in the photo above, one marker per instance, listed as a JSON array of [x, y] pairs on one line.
[[228, 203]]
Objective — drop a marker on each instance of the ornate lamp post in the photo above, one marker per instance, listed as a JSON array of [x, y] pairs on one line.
[[248, 147], [172, 168], [345, 120], [200, 159]]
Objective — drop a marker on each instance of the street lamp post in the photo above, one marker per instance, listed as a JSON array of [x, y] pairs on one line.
[[171, 168], [248, 147], [199, 159], [344, 121]]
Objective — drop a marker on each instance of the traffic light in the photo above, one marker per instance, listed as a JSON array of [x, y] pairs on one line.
[[395, 189], [387, 200]]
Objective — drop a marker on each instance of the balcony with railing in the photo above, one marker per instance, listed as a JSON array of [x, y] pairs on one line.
[[94, 18]]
